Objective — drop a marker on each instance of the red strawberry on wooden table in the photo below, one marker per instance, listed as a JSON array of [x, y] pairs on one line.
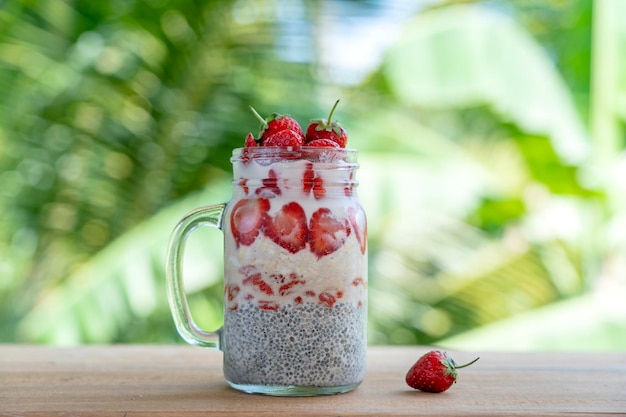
[[435, 372], [288, 227], [326, 129], [248, 218], [279, 130]]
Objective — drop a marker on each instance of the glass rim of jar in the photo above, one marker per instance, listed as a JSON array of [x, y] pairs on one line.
[[294, 153]]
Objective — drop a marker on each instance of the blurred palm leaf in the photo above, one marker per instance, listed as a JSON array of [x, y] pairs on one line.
[[471, 147], [109, 112], [600, 325], [467, 56], [118, 295], [485, 156]]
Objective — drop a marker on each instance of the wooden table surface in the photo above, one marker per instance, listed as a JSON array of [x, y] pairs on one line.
[[131, 380]]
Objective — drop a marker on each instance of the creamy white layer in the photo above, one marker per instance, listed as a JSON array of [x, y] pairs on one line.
[[266, 273]]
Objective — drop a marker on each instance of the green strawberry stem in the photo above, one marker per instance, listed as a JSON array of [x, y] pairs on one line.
[[466, 365], [258, 116], [330, 116], [328, 124]]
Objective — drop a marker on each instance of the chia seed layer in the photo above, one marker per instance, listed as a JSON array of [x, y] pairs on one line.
[[299, 345]]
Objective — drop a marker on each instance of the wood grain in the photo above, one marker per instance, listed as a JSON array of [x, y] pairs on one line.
[[125, 380]]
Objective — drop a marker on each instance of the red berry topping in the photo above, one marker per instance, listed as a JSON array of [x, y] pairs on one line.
[[323, 143], [250, 141], [435, 371], [283, 138], [277, 123], [327, 233], [288, 227], [247, 219], [326, 129]]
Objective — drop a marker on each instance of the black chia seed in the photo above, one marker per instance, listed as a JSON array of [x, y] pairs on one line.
[[299, 345]]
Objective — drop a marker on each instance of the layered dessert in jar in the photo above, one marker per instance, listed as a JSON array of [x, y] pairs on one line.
[[295, 265]]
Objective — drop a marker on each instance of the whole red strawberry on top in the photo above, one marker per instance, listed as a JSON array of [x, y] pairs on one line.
[[279, 130], [326, 129], [435, 371]]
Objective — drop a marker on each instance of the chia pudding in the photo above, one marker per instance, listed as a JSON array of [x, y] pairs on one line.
[[295, 290]]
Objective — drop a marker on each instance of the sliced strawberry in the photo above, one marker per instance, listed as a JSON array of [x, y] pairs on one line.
[[270, 186], [288, 227], [231, 291], [327, 298], [247, 219], [327, 233], [243, 183], [268, 305], [312, 183], [318, 188], [288, 288], [307, 178], [348, 190], [255, 280], [357, 219]]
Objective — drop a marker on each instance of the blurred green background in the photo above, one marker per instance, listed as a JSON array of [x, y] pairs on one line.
[[491, 137]]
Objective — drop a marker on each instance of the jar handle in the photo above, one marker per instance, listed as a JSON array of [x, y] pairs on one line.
[[208, 216]]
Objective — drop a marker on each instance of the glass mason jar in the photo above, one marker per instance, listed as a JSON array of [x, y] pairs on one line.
[[295, 273]]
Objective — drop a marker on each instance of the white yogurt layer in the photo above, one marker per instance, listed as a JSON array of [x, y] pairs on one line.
[[265, 272]]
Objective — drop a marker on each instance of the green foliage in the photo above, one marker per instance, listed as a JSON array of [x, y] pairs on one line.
[[109, 112], [478, 173]]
